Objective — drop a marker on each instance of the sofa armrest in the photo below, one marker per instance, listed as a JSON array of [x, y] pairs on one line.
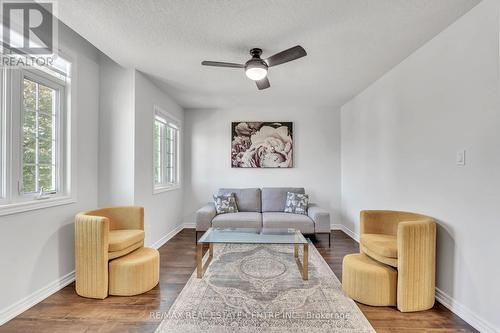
[[416, 265], [320, 217], [383, 222], [204, 217], [131, 217], [121, 217], [91, 255]]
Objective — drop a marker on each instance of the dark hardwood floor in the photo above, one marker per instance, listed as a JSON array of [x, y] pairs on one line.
[[67, 312]]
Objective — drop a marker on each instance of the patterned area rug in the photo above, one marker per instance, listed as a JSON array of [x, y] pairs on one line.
[[258, 288]]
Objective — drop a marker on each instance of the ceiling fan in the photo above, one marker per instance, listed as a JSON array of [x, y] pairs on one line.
[[256, 68]]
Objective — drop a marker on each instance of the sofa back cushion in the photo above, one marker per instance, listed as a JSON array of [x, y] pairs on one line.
[[247, 199], [274, 198]]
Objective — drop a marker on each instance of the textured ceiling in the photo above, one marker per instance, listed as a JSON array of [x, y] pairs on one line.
[[350, 43]]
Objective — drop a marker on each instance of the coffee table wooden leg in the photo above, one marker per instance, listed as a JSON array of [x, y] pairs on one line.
[[296, 250], [199, 257], [211, 250], [305, 263]]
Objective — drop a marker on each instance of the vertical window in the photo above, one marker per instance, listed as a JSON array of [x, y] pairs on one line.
[[39, 144], [166, 151], [35, 135]]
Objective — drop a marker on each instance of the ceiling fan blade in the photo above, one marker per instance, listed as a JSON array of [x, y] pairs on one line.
[[263, 84], [286, 56], [222, 64]]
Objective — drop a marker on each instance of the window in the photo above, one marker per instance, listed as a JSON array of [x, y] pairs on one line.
[[35, 136], [39, 143], [166, 151]]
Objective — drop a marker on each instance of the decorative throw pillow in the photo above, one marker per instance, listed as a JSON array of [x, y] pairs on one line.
[[296, 203], [225, 203]]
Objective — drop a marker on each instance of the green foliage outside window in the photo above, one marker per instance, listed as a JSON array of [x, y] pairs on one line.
[[38, 138]]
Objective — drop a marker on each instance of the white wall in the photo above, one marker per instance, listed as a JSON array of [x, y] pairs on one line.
[[37, 247], [116, 134], [127, 105], [399, 140], [163, 211], [316, 134]]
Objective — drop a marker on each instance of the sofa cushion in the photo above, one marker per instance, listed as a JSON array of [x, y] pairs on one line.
[[121, 239], [127, 250], [385, 260], [225, 203], [238, 220], [382, 245], [274, 198], [281, 220], [247, 199]]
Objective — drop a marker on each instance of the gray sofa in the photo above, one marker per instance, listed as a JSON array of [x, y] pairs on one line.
[[264, 209]]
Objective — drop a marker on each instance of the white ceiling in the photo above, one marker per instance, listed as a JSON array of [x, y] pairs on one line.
[[350, 43]]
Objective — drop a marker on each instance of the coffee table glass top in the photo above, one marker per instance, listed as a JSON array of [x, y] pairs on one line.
[[252, 236]]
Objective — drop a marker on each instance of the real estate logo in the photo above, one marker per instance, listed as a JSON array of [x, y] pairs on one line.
[[28, 34]]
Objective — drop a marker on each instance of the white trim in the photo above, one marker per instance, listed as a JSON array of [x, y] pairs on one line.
[[25, 206], [166, 188], [189, 225], [160, 242], [166, 115], [60, 162], [464, 312], [12, 201], [24, 304], [346, 230], [168, 120]]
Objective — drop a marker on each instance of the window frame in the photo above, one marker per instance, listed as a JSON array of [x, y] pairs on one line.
[[172, 122], [12, 200], [4, 131], [60, 129]]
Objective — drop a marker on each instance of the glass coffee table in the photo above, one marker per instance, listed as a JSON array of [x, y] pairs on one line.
[[251, 236]]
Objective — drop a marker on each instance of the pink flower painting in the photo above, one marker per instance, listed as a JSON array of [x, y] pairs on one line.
[[262, 145]]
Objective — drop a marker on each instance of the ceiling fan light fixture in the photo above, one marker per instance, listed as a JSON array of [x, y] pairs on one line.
[[256, 70], [256, 73]]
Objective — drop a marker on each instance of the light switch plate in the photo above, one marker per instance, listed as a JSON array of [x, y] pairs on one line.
[[460, 158]]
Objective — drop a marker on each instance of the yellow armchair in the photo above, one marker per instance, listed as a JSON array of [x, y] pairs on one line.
[[407, 242], [102, 235]]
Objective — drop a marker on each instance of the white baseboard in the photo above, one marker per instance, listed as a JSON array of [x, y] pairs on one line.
[[464, 312], [189, 225], [167, 237], [346, 230], [36, 297]]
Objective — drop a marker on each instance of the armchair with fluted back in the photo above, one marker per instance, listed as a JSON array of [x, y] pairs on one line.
[[407, 242], [102, 235]]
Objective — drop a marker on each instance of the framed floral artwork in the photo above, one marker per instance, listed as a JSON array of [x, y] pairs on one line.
[[261, 144]]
